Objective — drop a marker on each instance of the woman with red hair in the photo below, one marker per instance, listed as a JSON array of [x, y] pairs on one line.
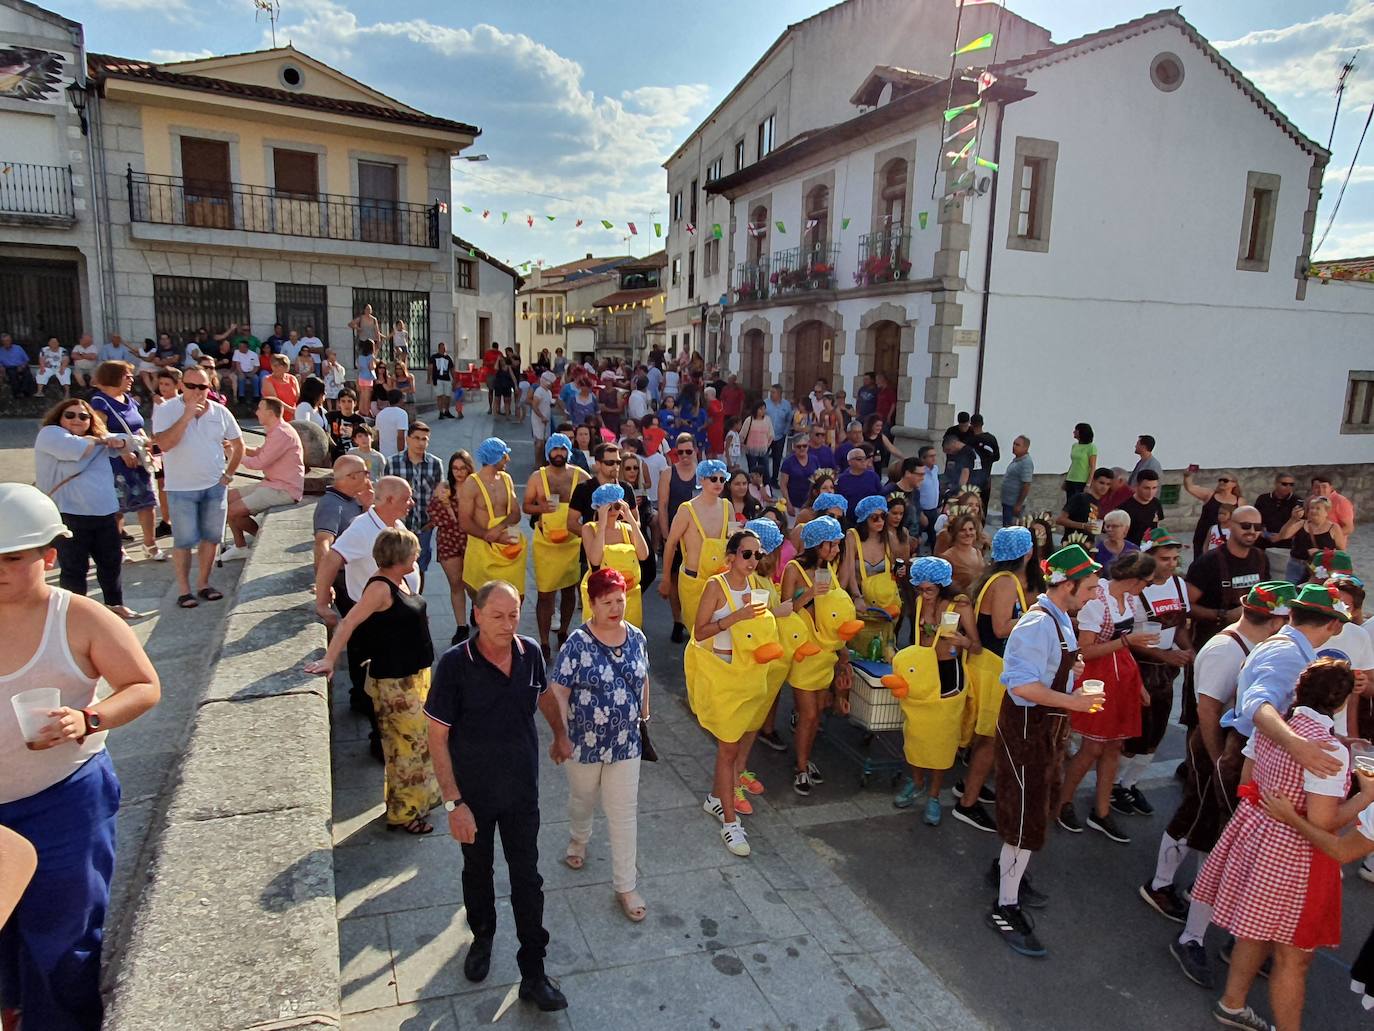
[[601, 683]]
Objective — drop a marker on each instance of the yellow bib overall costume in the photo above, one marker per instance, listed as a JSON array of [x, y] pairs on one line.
[[730, 697], [930, 724], [879, 589], [487, 561], [557, 553], [622, 558], [710, 561], [984, 672], [815, 670], [778, 667]]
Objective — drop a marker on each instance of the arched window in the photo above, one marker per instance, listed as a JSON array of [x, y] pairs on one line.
[[758, 233], [817, 229]]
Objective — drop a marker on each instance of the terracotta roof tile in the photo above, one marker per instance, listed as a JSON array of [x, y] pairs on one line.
[[628, 296]]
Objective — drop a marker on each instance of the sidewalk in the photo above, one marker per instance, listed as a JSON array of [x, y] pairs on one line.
[[775, 940]]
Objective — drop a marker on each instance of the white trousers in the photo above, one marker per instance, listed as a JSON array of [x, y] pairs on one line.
[[618, 785]]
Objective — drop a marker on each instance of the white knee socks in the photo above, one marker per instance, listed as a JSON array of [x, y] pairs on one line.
[[1012, 865], [1130, 771], [1172, 853], [1199, 916]]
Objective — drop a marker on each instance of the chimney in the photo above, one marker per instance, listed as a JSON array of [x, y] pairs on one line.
[[589, 255]]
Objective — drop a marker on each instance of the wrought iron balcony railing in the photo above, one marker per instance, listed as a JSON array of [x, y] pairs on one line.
[[42, 190], [803, 269], [884, 256], [176, 201], [751, 280]]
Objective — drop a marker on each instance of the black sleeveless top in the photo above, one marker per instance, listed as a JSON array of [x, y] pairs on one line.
[[679, 490], [397, 638]]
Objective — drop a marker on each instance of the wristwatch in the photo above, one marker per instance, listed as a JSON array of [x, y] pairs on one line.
[[451, 806], [93, 721]]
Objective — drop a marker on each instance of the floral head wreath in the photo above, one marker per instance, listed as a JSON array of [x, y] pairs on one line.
[[823, 474]]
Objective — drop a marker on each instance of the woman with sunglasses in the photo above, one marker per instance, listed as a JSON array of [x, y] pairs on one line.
[[866, 568], [734, 637], [71, 466], [1227, 492], [1310, 528]]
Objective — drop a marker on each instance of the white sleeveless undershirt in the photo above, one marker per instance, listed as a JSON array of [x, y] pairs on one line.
[[22, 772]]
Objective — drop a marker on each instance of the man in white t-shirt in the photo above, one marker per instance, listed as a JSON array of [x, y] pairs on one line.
[[541, 413], [392, 425], [246, 364], [638, 406], [352, 550], [310, 342], [193, 433]]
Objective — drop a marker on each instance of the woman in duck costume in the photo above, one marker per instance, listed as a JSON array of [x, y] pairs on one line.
[[777, 552], [824, 501], [710, 557], [868, 572], [998, 602], [734, 638], [613, 539], [819, 604], [928, 679], [497, 552], [556, 551]]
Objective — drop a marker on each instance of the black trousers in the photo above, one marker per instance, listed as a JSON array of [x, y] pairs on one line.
[[518, 823], [777, 451], [21, 380], [93, 537]]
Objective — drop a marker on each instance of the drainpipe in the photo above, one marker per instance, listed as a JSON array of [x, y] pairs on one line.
[[987, 263]]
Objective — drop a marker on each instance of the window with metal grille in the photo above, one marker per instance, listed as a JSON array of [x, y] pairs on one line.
[[465, 274], [302, 307], [38, 300], [410, 307], [1359, 403], [183, 304]]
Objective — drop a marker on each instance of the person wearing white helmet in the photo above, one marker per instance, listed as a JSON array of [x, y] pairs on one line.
[[59, 788]]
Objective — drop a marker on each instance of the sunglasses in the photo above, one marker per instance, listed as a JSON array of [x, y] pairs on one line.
[[1225, 479], [1250, 526], [195, 386], [749, 553], [83, 416], [716, 479], [685, 451], [610, 461], [1287, 483]]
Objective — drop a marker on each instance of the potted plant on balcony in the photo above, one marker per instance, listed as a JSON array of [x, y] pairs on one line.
[[903, 270], [744, 292], [877, 269]]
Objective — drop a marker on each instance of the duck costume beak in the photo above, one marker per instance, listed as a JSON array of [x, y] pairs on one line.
[[849, 629], [896, 684], [806, 650], [768, 652]]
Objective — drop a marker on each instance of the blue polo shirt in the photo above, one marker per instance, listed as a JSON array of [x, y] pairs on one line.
[[1035, 649], [1270, 675]]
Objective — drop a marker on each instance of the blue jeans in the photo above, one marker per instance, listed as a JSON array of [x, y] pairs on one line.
[[197, 515], [1295, 571], [426, 536]]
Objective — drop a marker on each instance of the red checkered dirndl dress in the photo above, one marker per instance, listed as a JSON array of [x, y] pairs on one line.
[[1263, 880]]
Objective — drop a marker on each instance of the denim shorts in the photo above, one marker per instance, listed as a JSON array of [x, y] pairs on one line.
[[197, 516]]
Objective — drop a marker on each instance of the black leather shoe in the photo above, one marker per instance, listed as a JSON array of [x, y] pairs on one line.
[[477, 963], [543, 992]]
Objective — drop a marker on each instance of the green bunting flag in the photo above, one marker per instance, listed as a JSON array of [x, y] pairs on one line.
[[466, 208], [715, 230], [471, 253], [504, 216], [550, 217], [956, 156], [606, 224], [954, 112], [981, 43], [658, 229], [985, 163], [924, 217], [844, 223], [781, 228]]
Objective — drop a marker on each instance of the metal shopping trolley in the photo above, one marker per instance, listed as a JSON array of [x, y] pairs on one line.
[[872, 711]]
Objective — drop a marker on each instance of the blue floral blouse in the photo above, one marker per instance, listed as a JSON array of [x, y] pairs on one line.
[[605, 693]]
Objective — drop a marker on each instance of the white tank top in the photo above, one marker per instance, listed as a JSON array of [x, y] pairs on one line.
[[723, 642], [22, 772]]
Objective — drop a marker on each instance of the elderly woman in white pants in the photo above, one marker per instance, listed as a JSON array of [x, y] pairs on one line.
[[601, 681]]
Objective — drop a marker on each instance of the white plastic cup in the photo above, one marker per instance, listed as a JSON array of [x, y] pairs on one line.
[[1093, 687], [31, 708], [1150, 627], [1363, 756], [949, 623], [759, 597], [822, 578], [554, 500], [1095, 525]]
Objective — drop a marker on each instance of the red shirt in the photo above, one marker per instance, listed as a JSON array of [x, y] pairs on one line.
[[887, 404], [732, 399]]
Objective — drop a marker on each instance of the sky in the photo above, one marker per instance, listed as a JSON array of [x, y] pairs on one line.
[[580, 101]]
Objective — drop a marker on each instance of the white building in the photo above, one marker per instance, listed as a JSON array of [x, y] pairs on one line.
[[1135, 255], [803, 82], [483, 302]]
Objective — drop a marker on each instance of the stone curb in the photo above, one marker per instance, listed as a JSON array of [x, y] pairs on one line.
[[236, 925]]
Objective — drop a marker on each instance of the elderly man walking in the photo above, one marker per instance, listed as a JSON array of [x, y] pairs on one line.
[[485, 751], [194, 434]]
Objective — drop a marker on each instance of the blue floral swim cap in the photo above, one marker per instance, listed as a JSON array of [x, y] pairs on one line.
[[931, 570], [818, 531], [1011, 542], [825, 502], [711, 467], [770, 537], [556, 441], [607, 494], [491, 451], [867, 506]]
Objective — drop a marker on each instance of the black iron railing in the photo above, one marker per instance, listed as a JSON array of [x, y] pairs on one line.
[[803, 269], [884, 256], [36, 190], [751, 280], [176, 201]]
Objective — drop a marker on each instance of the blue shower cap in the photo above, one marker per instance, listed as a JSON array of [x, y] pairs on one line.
[[818, 531], [868, 506], [556, 441], [825, 502], [711, 467], [930, 570], [1011, 542], [770, 537], [607, 494], [491, 451]]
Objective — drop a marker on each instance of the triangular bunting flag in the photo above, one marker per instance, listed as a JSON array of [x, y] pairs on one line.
[[486, 214], [923, 217], [504, 216], [959, 132], [954, 112], [715, 230], [530, 220], [985, 163], [981, 43], [633, 230], [958, 155], [607, 224], [691, 229], [466, 208], [781, 228], [471, 253], [844, 223], [658, 229], [985, 80], [578, 224], [550, 217]]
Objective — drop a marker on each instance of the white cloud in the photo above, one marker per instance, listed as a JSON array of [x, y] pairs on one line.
[[546, 130], [1304, 58], [1347, 240], [1360, 174], [141, 5], [177, 56]]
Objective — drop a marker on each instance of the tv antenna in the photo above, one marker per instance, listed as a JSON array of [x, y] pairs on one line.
[[271, 8]]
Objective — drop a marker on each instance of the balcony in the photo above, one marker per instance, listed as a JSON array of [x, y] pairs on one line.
[[751, 280], [164, 200], [36, 194], [805, 269], [884, 256]]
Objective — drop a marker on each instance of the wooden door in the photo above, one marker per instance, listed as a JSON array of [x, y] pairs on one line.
[[752, 370], [207, 189], [809, 360], [378, 192], [887, 350]]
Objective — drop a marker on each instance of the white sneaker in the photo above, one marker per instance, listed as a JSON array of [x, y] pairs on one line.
[[712, 805], [154, 553], [735, 840], [234, 553]]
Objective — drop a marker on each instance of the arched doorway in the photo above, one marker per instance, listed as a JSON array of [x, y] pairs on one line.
[[887, 349], [811, 356], [753, 367]]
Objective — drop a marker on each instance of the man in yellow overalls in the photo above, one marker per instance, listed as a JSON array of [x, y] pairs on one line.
[[701, 527], [557, 550], [488, 513]]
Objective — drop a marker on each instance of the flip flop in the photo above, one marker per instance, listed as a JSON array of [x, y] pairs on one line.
[[633, 905], [209, 594], [187, 601], [575, 856]]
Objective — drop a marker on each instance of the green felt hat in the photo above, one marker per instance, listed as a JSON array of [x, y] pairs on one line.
[[1068, 563], [1159, 538], [1328, 562], [1323, 600], [1270, 598]]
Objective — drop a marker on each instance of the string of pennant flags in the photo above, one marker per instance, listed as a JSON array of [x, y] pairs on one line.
[[570, 316]]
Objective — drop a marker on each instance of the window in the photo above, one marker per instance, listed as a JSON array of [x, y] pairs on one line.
[[758, 233], [296, 172], [739, 154], [691, 274], [182, 304], [291, 77], [677, 206], [465, 274], [710, 263], [304, 304], [765, 137], [1032, 201], [1166, 72], [677, 271], [390, 305], [1257, 223], [207, 189], [692, 205], [816, 231], [713, 169], [894, 193], [1359, 403]]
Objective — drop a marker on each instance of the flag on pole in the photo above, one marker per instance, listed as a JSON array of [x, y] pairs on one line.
[[983, 42], [633, 230], [954, 112]]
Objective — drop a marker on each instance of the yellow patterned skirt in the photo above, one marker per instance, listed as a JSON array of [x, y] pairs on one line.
[[409, 785]]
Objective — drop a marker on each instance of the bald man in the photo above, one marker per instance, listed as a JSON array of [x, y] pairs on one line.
[[346, 498]]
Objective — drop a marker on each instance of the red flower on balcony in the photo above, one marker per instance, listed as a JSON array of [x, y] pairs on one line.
[[820, 268]]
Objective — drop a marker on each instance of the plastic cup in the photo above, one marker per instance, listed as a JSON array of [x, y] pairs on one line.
[[1096, 687], [949, 623], [759, 597], [554, 500], [1095, 525], [822, 578], [1363, 756], [1150, 627], [31, 708]]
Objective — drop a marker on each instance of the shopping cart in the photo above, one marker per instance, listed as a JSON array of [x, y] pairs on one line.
[[872, 711]]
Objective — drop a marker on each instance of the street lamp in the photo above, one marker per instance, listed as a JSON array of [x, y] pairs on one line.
[[78, 94], [474, 157]]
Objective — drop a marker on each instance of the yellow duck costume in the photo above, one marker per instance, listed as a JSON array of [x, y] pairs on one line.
[[484, 560], [730, 696], [619, 556], [983, 669], [930, 724], [879, 588], [557, 552], [711, 558]]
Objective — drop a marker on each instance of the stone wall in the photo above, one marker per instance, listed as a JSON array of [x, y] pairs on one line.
[[236, 925]]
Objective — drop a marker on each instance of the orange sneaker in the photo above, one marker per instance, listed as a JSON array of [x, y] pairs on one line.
[[750, 783], [742, 805]]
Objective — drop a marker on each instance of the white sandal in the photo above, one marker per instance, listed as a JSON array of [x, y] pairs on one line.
[[632, 903], [576, 855]]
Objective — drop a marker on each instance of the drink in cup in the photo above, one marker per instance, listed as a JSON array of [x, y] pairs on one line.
[[823, 578], [1151, 628], [1095, 525], [554, 500], [1096, 690], [759, 597], [1363, 756], [949, 623], [31, 708]]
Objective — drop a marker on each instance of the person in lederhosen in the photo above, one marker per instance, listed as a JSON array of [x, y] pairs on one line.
[[1040, 667]]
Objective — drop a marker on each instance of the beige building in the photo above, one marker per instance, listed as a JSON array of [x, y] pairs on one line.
[[561, 298], [483, 302]]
